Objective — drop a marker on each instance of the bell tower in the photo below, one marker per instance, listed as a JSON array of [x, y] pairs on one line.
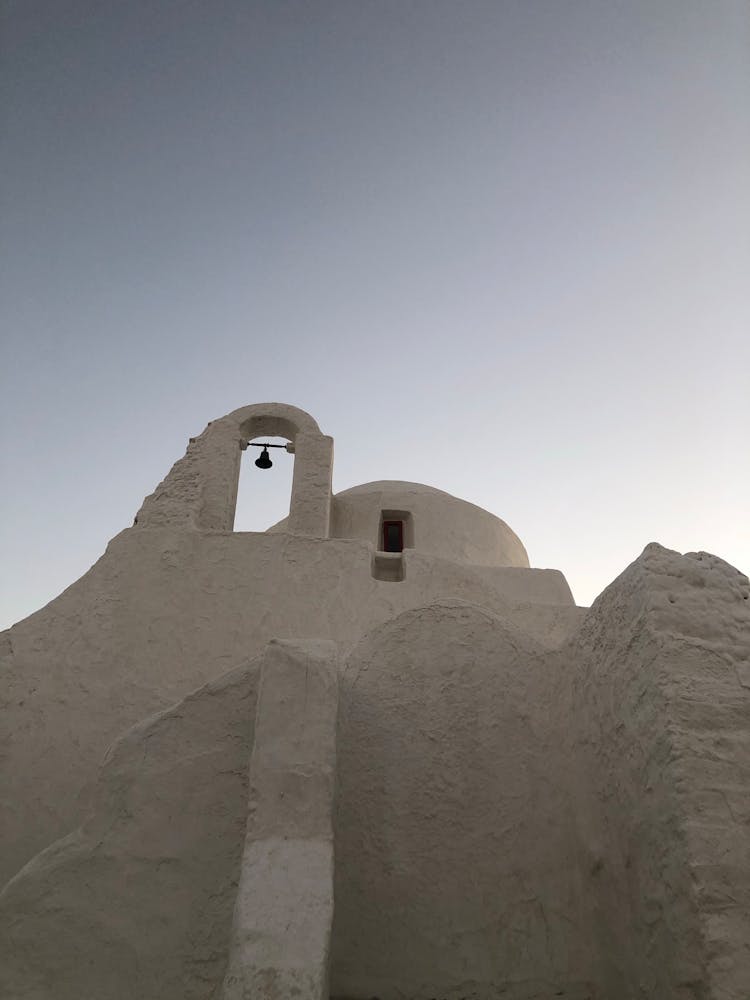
[[200, 491]]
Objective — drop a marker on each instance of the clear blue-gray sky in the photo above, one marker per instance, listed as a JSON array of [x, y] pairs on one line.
[[501, 247]]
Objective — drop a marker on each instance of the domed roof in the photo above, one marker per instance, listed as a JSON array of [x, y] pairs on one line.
[[436, 523]]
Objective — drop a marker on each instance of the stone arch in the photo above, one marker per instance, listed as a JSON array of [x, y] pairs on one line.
[[200, 491], [273, 419]]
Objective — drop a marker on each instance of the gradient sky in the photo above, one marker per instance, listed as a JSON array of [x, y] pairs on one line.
[[502, 248]]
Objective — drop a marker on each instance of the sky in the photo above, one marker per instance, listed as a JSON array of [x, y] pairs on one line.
[[501, 248]]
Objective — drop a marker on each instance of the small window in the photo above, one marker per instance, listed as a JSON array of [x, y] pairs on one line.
[[395, 531], [393, 536]]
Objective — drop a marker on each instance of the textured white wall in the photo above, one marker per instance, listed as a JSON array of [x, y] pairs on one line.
[[515, 817], [167, 609], [442, 525]]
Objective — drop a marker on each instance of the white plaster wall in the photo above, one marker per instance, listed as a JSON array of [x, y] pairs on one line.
[[531, 805], [451, 878], [281, 929], [200, 490], [165, 610], [137, 903], [658, 698], [569, 822], [515, 818], [443, 525]]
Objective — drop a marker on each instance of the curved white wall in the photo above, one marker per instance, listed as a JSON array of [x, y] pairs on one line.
[[442, 525]]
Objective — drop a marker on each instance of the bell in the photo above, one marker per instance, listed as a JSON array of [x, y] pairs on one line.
[[264, 462]]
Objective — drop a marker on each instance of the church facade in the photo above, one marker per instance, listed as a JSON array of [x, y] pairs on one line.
[[371, 753]]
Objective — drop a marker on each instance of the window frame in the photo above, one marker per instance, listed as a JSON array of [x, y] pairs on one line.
[[384, 538]]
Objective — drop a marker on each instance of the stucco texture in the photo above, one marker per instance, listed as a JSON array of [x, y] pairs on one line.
[[165, 610], [511, 819], [439, 524], [138, 902], [657, 689], [457, 786], [450, 879], [535, 823]]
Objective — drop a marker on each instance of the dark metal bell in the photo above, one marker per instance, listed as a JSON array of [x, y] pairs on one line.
[[264, 462]]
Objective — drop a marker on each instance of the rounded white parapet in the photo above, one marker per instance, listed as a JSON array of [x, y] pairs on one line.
[[433, 523]]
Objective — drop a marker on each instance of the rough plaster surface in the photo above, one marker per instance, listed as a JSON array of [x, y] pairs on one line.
[[533, 823], [200, 491], [137, 903], [656, 687], [282, 918], [450, 879], [535, 800], [442, 526], [514, 820], [164, 611]]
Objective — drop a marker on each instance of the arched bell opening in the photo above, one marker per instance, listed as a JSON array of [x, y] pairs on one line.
[[200, 491], [276, 423], [264, 492]]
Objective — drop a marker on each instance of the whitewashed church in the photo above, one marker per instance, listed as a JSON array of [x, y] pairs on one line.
[[370, 753]]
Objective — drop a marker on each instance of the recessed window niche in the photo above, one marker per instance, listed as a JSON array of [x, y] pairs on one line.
[[388, 566], [395, 531]]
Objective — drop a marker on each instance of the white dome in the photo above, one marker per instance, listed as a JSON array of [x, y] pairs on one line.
[[435, 523]]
